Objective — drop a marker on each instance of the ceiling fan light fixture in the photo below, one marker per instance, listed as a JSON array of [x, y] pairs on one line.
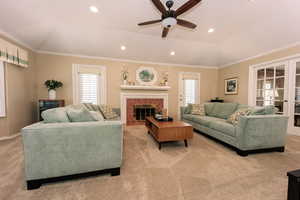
[[169, 22]]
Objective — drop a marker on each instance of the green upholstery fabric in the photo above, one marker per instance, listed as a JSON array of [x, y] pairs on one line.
[[80, 115], [209, 108], [97, 116], [261, 131], [266, 110], [224, 110], [60, 149], [242, 106], [188, 109], [251, 132], [223, 127], [202, 120], [55, 115]]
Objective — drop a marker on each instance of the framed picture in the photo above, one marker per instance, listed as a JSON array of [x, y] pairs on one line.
[[146, 76], [231, 86]]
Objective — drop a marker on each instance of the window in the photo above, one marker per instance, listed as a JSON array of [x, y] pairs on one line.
[[89, 84], [189, 88], [2, 91], [190, 91]]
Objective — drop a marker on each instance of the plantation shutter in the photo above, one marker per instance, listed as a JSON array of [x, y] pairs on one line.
[[89, 88]]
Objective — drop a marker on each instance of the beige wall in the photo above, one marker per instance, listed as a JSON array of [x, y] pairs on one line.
[[241, 70], [60, 68], [20, 97]]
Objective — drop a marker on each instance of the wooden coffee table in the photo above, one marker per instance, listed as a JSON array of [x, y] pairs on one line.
[[169, 131]]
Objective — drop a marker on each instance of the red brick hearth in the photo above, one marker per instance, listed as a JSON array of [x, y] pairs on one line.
[[157, 103]]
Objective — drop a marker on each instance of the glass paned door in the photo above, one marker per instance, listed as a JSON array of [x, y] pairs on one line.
[[295, 96], [271, 86]]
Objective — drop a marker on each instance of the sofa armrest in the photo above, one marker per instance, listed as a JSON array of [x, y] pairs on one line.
[[60, 149], [261, 131], [182, 110]]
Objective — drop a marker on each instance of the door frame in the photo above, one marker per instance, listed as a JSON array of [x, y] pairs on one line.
[[292, 81], [181, 86]]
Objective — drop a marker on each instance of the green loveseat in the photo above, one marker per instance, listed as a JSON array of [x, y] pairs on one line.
[[58, 151], [263, 131]]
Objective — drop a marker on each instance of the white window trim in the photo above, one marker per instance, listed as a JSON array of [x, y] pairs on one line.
[[103, 82], [2, 90]]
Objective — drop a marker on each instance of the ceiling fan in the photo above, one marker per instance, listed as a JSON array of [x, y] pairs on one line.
[[169, 17]]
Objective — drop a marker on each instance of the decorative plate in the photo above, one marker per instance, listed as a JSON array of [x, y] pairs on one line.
[[146, 76]]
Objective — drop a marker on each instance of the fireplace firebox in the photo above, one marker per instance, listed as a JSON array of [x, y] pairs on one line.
[[143, 111]]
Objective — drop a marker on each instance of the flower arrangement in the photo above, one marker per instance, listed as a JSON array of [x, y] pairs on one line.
[[53, 84]]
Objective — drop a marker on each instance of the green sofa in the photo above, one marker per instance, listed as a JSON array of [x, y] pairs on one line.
[[58, 151], [263, 131]]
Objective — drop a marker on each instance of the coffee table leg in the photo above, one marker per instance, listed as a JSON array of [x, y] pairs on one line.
[[186, 143], [159, 145]]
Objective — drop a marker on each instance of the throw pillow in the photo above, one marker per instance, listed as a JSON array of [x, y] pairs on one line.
[[234, 118], [55, 115], [97, 116], [198, 109], [80, 115], [108, 112]]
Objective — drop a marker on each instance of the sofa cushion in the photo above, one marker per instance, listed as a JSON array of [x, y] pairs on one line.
[[208, 108], [80, 115], [55, 115], [198, 109], [97, 115], [224, 110], [266, 110], [223, 127], [188, 109], [202, 120]]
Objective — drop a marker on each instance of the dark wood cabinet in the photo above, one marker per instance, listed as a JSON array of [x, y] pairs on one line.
[[45, 104]]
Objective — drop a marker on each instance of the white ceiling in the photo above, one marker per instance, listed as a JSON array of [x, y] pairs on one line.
[[242, 29]]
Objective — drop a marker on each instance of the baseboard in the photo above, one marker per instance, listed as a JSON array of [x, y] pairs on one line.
[[10, 137]]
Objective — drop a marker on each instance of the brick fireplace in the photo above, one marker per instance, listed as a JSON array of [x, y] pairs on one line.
[[142, 104], [144, 101]]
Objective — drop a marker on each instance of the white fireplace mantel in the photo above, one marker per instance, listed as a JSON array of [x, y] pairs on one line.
[[125, 96], [144, 87]]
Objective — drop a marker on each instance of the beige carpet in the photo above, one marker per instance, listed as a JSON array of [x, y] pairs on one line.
[[205, 170]]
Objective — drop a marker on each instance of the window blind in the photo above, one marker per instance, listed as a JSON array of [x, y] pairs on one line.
[[89, 88], [190, 91]]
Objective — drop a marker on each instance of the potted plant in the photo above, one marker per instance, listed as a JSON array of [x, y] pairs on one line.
[[52, 85]]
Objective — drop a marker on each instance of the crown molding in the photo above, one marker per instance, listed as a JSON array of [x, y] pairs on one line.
[[261, 54], [16, 40], [127, 60]]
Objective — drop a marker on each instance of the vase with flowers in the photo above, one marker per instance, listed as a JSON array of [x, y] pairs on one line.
[[52, 85]]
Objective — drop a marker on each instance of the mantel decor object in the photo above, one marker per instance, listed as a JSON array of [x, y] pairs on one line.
[[231, 86], [146, 76], [125, 74], [52, 85]]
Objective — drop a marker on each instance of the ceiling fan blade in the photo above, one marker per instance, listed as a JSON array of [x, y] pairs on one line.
[[186, 24], [159, 6], [165, 32], [185, 7], [149, 22]]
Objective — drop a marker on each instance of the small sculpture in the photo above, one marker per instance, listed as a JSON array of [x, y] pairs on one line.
[[125, 74]]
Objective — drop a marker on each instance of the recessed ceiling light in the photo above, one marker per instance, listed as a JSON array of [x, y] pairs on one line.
[[94, 9], [211, 30], [123, 48], [172, 53]]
